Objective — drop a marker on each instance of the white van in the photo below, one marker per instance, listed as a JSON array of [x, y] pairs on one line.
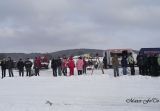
[[119, 52]]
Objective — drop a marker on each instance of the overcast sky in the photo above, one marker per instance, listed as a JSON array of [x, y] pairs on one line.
[[53, 25]]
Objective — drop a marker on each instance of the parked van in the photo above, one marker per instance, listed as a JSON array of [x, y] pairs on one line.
[[119, 52]]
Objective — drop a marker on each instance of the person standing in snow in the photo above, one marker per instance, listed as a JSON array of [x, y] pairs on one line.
[[37, 65], [20, 66], [79, 65], [124, 65], [105, 62], [71, 65], [140, 64], [158, 60], [28, 65], [10, 66], [59, 66], [3, 68], [54, 67], [131, 64], [64, 66], [84, 65], [153, 65], [115, 64], [145, 64]]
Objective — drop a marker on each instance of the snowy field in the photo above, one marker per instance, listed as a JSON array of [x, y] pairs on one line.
[[97, 92]]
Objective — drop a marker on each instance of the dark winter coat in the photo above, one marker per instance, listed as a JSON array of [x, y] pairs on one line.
[[124, 62], [28, 64], [3, 65], [10, 64], [20, 65], [140, 60], [155, 63], [105, 60], [59, 62], [158, 60], [54, 64]]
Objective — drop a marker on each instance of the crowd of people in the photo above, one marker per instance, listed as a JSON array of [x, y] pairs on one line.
[[9, 64], [58, 65], [61, 66], [126, 61], [148, 65]]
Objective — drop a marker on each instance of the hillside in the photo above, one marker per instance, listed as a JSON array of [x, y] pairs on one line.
[[76, 52], [69, 52]]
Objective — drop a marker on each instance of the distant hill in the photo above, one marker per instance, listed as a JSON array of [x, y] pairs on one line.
[[74, 52], [69, 52]]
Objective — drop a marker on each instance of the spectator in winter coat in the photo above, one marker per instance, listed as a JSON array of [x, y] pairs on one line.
[[153, 65], [3, 68], [145, 70], [37, 65], [105, 62], [20, 66], [54, 67], [131, 64], [64, 66], [79, 65], [28, 65], [140, 63], [59, 66], [124, 65], [71, 65], [115, 64], [84, 65], [158, 60], [10, 66]]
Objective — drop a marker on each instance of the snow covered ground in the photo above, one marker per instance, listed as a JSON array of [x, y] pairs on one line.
[[97, 92]]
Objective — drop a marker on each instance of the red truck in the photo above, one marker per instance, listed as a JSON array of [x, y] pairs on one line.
[[44, 62]]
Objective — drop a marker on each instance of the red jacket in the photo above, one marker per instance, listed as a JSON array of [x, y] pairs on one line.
[[71, 63], [37, 63]]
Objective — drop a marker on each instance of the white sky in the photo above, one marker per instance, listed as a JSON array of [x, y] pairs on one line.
[[52, 25]]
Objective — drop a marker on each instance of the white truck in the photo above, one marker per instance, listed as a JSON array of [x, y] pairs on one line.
[[109, 53]]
